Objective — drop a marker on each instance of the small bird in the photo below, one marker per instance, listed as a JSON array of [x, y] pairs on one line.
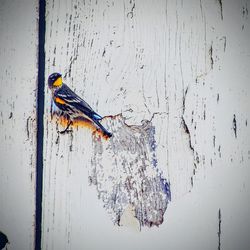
[[71, 104]]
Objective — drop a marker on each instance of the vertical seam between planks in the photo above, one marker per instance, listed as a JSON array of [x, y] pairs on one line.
[[40, 126]]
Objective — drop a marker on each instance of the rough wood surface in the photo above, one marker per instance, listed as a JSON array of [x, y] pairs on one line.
[[171, 79], [18, 81]]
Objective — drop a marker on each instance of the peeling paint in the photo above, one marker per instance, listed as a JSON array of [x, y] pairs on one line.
[[130, 177]]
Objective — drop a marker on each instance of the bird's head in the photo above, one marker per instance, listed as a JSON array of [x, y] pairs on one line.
[[55, 80]]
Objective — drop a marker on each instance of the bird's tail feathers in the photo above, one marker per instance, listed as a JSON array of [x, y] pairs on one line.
[[104, 130], [96, 116]]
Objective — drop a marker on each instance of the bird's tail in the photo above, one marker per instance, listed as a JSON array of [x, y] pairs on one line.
[[104, 130], [96, 116]]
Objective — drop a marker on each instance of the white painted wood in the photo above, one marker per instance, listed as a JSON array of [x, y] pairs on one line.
[[18, 83], [182, 66]]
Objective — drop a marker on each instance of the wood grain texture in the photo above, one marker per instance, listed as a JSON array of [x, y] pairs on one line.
[[167, 67], [18, 81]]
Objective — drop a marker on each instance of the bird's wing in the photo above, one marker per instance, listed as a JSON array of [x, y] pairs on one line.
[[69, 97]]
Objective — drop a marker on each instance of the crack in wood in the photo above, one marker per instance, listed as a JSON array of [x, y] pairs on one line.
[[187, 131], [211, 56], [221, 9], [219, 230], [27, 126], [11, 115], [184, 124], [235, 126], [131, 13], [225, 43]]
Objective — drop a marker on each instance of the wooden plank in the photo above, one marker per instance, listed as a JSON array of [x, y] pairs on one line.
[[18, 72], [158, 71]]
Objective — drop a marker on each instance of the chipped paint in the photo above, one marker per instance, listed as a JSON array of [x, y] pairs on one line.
[[125, 172]]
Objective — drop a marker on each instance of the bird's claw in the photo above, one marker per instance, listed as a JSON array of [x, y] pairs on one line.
[[66, 131]]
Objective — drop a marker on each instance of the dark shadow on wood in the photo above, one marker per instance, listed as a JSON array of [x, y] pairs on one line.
[[40, 125]]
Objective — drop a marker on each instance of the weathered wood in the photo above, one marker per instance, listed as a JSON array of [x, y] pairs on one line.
[[18, 82], [164, 75]]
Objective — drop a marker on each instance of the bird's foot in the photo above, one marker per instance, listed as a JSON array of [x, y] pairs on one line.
[[65, 131], [108, 134]]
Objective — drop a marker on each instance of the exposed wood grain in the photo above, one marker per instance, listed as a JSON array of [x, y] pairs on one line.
[[18, 71], [150, 67]]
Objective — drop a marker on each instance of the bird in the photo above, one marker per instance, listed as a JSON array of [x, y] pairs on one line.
[[72, 105]]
